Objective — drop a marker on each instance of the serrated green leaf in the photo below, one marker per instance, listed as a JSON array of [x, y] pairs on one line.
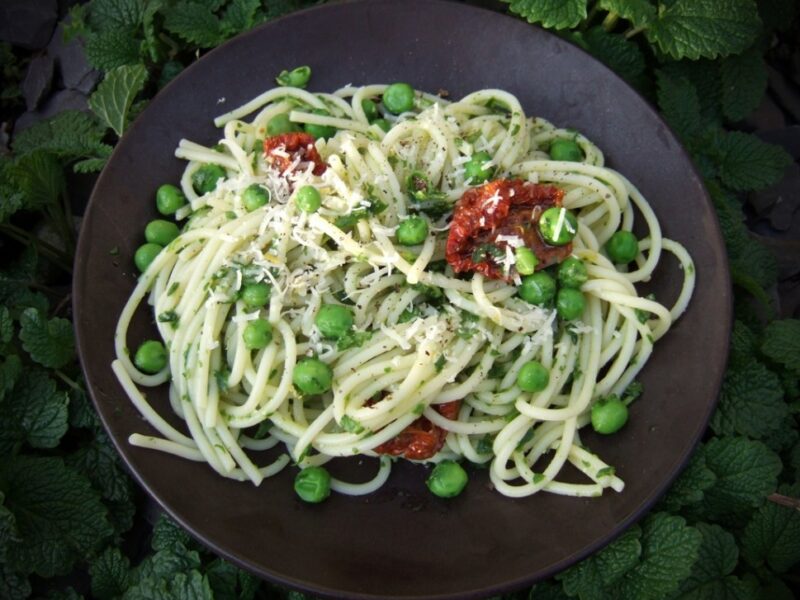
[[166, 533], [553, 14], [781, 343], [112, 99], [6, 329], [40, 179], [751, 402], [90, 165], [689, 487], [239, 15], [773, 534], [705, 76], [743, 345], [10, 370], [34, 412], [100, 463], [110, 574], [81, 411], [679, 103], [228, 582], [669, 548], [108, 14], [59, 518], [112, 48], [70, 135], [15, 280], [711, 575], [744, 81], [638, 12], [50, 342], [195, 23], [621, 55], [166, 563], [13, 586], [746, 163], [590, 578], [704, 28], [184, 586], [746, 472]]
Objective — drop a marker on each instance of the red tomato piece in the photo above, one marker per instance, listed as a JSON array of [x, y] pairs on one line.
[[502, 209], [421, 439], [282, 150]]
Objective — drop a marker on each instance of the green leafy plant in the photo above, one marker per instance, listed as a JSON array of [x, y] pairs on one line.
[[728, 528]]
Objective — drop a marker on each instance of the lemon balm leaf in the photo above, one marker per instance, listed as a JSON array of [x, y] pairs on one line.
[[113, 98], [50, 343], [555, 14], [696, 29]]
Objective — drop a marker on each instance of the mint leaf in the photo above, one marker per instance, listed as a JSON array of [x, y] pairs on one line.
[[167, 533], [112, 48], [590, 578], [751, 402], [10, 370], [6, 329], [35, 412], [782, 343], [669, 549], [184, 586], [711, 575], [621, 55], [773, 534], [195, 23], [112, 99], [704, 28], [746, 472], [679, 103], [705, 76], [100, 463], [229, 582], [109, 573], [746, 163], [51, 342], [107, 14], [744, 81], [70, 135], [553, 14], [166, 563], [40, 179], [689, 486], [90, 165], [14, 281], [59, 518], [239, 15], [12, 585], [638, 12]]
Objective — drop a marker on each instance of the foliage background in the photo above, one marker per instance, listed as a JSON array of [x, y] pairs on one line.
[[73, 524]]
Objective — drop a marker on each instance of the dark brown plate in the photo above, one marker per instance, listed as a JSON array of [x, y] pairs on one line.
[[401, 541]]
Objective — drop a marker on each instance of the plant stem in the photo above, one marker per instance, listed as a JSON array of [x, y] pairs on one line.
[[589, 18], [69, 381], [785, 501], [53, 254], [610, 21], [633, 31]]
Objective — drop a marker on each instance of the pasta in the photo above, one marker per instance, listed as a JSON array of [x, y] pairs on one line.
[[427, 348]]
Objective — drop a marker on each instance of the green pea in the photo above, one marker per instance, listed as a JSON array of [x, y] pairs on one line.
[[256, 295], [313, 484], [145, 254], [526, 261], [297, 77], [205, 179], [539, 288], [609, 415], [370, 109], [398, 98], [334, 320], [623, 247], [320, 131], [151, 357], [447, 480], [161, 232], [312, 376], [533, 377], [570, 303], [412, 231], [308, 199], [558, 226], [383, 124], [566, 150], [169, 199], [281, 124], [254, 197], [257, 334], [572, 273], [475, 170]]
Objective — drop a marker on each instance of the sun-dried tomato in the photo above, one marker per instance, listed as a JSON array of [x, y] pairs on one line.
[[501, 209], [421, 439], [284, 149]]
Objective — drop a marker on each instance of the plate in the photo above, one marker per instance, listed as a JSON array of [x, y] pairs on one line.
[[401, 541]]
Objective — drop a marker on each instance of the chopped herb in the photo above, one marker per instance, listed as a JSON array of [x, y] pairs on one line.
[[439, 364], [350, 425], [419, 409], [173, 288], [538, 478], [605, 472], [353, 339], [484, 445], [486, 251]]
